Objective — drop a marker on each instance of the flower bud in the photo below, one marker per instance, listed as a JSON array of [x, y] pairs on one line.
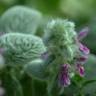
[[64, 79]]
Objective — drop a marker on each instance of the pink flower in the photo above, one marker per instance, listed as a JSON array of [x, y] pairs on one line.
[[84, 52], [83, 49], [83, 33], [64, 79], [82, 59], [80, 70]]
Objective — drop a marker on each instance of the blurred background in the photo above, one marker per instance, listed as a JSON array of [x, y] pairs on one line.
[[82, 12]]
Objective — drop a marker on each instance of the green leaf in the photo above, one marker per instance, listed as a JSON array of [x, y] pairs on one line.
[[20, 48], [20, 19], [87, 82], [36, 69]]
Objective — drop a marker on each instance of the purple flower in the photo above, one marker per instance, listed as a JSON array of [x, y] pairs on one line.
[[80, 70], [64, 79], [82, 59], [83, 33], [84, 52], [83, 49]]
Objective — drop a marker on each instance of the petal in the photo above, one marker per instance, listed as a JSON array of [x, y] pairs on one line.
[[64, 79], [81, 70], [82, 59], [84, 49], [83, 33]]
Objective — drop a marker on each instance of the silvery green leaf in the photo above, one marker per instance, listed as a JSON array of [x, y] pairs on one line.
[[36, 69], [21, 48], [20, 19]]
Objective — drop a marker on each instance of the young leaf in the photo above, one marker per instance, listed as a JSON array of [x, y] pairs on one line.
[[36, 69], [20, 19], [21, 48]]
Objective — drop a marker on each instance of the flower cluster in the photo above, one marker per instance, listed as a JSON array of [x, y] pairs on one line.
[[59, 38], [64, 75], [69, 53], [80, 59]]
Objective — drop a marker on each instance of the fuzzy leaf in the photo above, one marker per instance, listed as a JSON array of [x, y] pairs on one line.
[[20, 19], [36, 69], [21, 48]]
